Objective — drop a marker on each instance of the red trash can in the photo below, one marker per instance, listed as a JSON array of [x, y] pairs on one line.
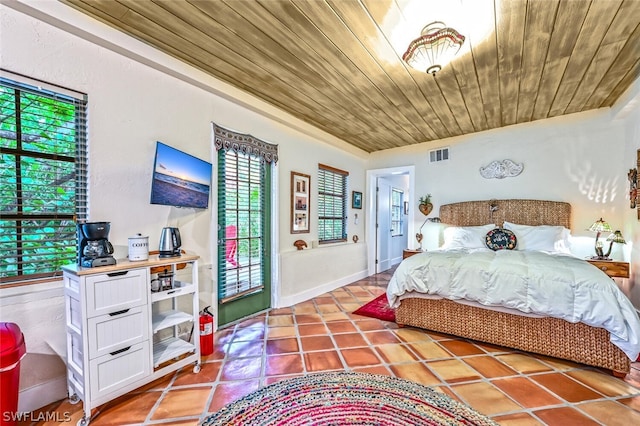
[[12, 349]]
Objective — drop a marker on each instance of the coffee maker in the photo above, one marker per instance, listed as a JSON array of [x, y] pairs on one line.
[[94, 249]]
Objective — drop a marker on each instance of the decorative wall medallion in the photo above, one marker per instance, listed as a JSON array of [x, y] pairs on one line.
[[501, 169]]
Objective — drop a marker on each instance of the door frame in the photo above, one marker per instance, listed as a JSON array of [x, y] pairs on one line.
[[371, 209]]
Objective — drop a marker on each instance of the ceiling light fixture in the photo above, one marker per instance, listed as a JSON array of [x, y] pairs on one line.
[[435, 48]]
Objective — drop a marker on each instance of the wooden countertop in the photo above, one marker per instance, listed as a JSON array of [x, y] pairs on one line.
[[124, 264]]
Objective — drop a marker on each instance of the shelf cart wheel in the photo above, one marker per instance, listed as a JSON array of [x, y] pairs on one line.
[[196, 368], [74, 399], [83, 421]]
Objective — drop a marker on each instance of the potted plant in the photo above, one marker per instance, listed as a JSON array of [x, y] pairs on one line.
[[425, 205]]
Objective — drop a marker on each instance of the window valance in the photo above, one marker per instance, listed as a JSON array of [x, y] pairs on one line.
[[238, 142]]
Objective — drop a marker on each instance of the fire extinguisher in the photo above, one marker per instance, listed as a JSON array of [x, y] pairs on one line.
[[206, 332]]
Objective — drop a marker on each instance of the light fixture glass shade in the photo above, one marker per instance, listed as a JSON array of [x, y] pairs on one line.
[[600, 226], [616, 237], [436, 47]]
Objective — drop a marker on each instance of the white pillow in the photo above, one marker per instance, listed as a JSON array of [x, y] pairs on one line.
[[466, 236], [541, 238]]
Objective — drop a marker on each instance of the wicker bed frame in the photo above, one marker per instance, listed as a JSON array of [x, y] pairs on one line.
[[547, 336]]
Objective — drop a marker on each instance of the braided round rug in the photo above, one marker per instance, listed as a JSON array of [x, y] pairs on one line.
[[346, 398]]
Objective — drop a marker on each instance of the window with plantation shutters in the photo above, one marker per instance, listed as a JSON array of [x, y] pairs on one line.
[[43, 178], [332, 204]]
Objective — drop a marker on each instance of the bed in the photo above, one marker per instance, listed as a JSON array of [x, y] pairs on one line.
[[541, 334]]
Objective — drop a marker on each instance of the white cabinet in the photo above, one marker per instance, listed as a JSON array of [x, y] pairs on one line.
[[120, 335]]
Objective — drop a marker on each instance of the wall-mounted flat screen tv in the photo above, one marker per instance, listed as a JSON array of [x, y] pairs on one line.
[[180, 179]]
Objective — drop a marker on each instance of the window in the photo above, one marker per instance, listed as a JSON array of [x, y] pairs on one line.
[[332, 204], [43, 185], [396, 212]]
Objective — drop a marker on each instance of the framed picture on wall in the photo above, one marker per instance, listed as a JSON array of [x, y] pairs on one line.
[[300, 200], [356, 200]]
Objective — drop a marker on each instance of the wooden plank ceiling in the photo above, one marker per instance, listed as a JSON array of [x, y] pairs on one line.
[[337, 65]]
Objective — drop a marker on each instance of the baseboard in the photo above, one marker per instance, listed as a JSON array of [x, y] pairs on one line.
[[321, 289], [42, 394]]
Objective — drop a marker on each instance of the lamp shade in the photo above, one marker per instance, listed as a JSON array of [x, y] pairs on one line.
[[600, 226], [436, 47], [616, 237]]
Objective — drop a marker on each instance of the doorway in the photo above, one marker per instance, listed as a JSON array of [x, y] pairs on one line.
[[375, 209]]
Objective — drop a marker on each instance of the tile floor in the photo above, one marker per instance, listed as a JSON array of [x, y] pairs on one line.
[[511, 387]]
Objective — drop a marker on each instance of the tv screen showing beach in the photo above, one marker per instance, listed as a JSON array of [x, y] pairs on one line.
[[180, 179]]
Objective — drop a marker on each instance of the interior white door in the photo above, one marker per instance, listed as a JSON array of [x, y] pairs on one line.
[[383, 218]]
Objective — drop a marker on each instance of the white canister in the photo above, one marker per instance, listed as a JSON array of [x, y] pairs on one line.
[[138, 247]]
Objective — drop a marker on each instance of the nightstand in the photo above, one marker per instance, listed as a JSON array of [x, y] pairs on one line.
[[410, 252], [612, 268]]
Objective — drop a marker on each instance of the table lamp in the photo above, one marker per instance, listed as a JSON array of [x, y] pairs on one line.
[[600, 226], [616, 237]]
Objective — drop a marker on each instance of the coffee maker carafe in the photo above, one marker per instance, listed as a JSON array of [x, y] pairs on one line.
[[94, 248]]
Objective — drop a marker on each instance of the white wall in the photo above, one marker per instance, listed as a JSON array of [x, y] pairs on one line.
[[578, 158], [132, 104]]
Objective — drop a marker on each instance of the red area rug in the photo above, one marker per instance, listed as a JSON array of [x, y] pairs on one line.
[[346, 398], [378, 308]]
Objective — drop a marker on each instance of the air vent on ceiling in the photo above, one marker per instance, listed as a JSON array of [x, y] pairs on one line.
[[440, 154]]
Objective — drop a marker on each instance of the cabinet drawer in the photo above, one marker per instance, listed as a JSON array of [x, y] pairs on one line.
[[112, 372], [612, 268], [109, 333], [107, 293]]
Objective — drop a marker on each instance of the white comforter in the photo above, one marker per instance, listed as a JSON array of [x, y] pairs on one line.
[[531, 282]]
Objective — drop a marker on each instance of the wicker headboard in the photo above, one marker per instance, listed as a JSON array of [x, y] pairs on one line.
[[525, 212]]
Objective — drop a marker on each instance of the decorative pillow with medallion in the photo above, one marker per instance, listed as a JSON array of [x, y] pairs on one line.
[[501, 239]]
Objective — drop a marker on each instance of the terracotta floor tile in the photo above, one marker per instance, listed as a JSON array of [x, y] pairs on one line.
[[453, 370], [360, 357], [564, 416], [350, 307], [565, 388], [517, 419], [525, 392], [492, 348], [182, 403], [429, 350], [336, 316], [280, 311], [378, 369], [276, 332], [306, 309], [273, 379], [489, 367], [327, 309], [485, 398], [280, 320], [461, 348], [523, 363], [633, 402], [244, 349], [312, 329], [558, 364], [323, 300], [341, 327], [323, 361], [394, 354], [381, 337], [308, 318], [241, 369], [249, 334], [278, 365], [127, 410], [208, 374], [316, 343], [611, 413], [282, 346], [412, 335], [229, 392], [370, 325], [415, 371], [349, 340], [604, 383]]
